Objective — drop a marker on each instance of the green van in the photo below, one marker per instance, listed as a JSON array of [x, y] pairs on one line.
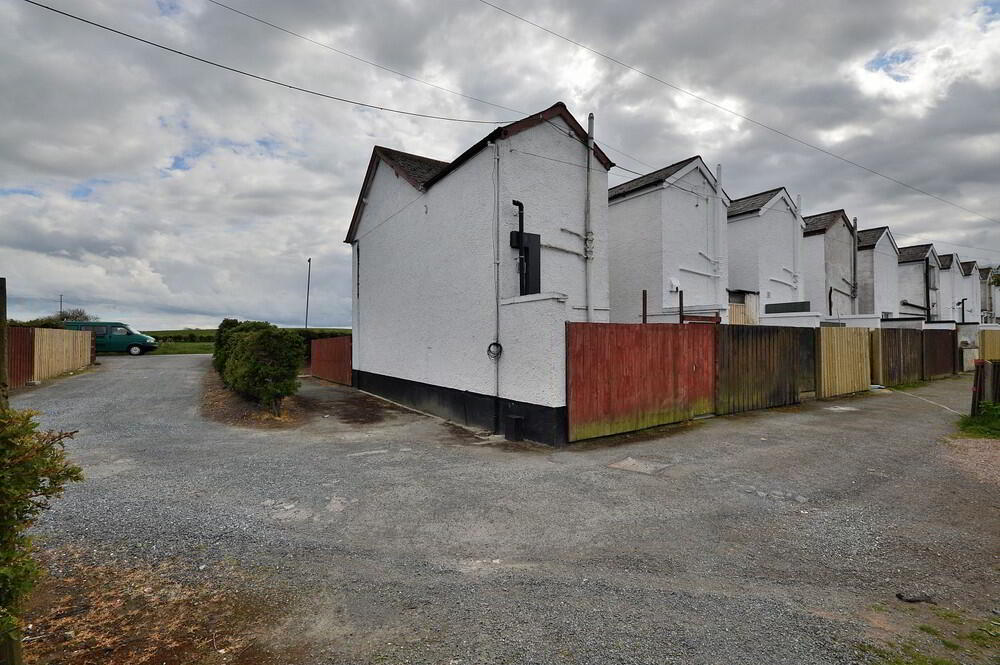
[[116, 336]]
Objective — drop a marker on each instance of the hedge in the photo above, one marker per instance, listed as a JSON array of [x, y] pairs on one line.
[[262, 363]]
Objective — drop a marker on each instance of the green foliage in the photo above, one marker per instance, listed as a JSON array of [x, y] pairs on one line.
[[221, 343], [33, 471], [262, 363], [174, 348], [41, 322], [309, 334], [986, 424], [76, 314]]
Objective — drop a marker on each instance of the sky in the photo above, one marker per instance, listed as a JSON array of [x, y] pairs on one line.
[[153, 189]]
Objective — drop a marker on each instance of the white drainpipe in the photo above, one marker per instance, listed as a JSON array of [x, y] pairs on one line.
[[588, 236]]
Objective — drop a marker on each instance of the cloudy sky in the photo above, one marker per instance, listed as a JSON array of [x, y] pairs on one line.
[[153, 189]]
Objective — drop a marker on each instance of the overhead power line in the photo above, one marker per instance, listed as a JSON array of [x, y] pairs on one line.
[[264, 78], [411, 77], [742, 116]]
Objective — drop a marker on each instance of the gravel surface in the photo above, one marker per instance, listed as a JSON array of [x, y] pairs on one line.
[[758, 538]]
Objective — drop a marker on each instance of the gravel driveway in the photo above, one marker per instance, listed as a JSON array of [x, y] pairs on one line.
[[763, 538]]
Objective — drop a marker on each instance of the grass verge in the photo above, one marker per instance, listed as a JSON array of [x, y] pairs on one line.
[[173, 348], [985, 425]]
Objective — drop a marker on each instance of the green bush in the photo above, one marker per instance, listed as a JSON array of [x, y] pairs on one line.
[[33, 471], [224, 337], [263, 364]]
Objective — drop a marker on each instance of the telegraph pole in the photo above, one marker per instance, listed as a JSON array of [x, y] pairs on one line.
[[4, 386], [309, 269], [60, 306]]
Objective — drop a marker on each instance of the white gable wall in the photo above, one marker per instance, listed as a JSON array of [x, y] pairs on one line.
[[878, 281], [814, 272], [695, 247], [839, 248], [425, 307], [911, 288], [635, 231], [970, 291], [948, 292]]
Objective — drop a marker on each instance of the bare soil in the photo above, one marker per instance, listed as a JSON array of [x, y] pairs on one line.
[[222, 405], [84, 614]]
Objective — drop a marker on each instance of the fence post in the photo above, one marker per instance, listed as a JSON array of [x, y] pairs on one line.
[[4, 385], [977, 387]]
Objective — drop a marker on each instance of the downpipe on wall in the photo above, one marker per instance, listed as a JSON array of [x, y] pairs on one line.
[[588, 236], [495, 349]]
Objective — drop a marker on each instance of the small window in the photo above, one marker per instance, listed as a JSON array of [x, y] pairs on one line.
[[118, 330], [99, 331], [737, 298], [886, 315]]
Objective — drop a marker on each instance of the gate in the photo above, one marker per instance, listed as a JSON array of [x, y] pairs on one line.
[[844, 361], [940, 353], [758, 367], [622, 377], [897, 356], [331, 359]]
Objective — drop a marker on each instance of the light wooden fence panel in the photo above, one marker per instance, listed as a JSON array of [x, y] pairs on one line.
[[60, 351], [844, 361], [989, 344], [742, 315]]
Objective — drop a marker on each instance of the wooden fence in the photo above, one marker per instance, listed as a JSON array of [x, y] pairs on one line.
[[20, 355], [331, 359], [844, 361], [940, 354], [989, 344], [758, 367], [741, 315], [896, 356], [622, 377], [36, 354]]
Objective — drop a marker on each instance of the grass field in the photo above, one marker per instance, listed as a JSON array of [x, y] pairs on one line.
[[170, 348]]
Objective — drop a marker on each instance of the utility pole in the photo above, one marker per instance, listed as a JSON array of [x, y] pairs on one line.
[[60, 306], [4, 386], [309, 263]]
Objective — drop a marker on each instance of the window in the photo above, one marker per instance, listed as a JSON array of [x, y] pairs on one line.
[[118, 330], [886, 315], [99, 331]]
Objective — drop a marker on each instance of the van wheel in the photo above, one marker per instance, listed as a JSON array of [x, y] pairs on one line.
[[135, 350]]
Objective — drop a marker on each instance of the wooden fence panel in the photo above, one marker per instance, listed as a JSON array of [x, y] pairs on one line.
[[940, 353], [60, 351], [897, 356], [331, 359], [758, 368], [20, 355], [844, 361], [989, 344], [622, 377], [741, 315]]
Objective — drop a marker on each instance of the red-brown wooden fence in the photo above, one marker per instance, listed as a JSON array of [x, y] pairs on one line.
[[622, 377], [20, 355], [331, 359]]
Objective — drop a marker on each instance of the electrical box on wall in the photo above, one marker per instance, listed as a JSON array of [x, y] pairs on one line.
[[531, 281]]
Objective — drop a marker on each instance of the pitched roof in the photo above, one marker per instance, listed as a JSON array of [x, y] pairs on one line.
[[822, 222], [414, 169], [752, 203], [984, 273], [946, 260], [968, 267], [653, 178], [868, 238], [914, 253], [423, 172]]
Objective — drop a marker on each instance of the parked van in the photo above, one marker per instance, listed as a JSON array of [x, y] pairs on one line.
[[116, 336]]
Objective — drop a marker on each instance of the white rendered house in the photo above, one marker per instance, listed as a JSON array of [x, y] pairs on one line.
[[919, 281], [456, 310], [764, 234], [829, 248], [878, 273], [667, 237]]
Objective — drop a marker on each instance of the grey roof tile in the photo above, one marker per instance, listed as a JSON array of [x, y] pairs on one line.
[[649, 179], [752, 203]]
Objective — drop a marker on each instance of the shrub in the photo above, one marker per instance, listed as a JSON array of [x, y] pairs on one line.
[[33, 471], [224, 337], [263, 364]]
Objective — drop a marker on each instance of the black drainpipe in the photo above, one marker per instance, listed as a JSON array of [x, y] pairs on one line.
[[522, 273], [927, 286]]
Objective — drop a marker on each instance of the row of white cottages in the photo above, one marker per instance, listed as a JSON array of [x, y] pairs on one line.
[[466, 272]]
